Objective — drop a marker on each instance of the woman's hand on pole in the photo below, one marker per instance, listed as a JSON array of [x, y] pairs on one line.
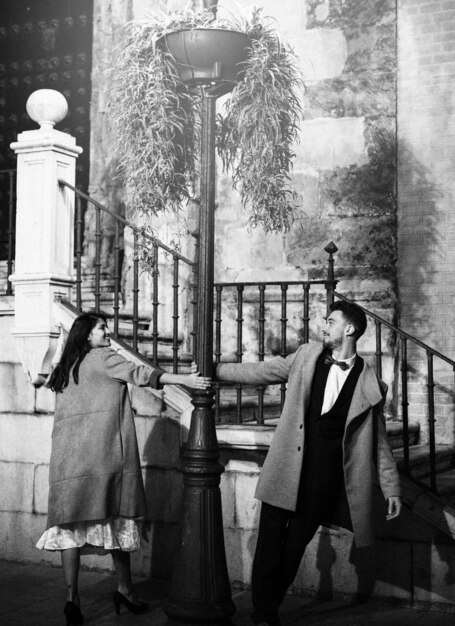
[[195, 381], [192, 380]]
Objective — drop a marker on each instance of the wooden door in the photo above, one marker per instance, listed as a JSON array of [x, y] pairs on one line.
[[44, 44]]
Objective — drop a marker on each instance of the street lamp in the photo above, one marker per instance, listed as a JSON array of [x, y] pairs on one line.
[[200, 590]]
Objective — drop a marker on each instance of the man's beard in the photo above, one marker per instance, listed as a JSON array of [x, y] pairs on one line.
[[330, 344]]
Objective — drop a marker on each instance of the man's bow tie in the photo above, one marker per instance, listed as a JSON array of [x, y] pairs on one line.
[[329, 360]]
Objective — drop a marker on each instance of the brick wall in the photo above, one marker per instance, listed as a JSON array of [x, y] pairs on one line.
[[426, 153]]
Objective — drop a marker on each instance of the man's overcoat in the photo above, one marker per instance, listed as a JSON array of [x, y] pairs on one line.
[[95, 470], [366, 450]]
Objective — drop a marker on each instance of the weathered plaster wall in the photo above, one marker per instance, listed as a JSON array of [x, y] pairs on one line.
[[109, 19], [346, 157], [426, 188], [345, 162]]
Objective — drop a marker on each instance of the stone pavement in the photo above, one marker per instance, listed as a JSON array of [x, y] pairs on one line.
[[33, 595]]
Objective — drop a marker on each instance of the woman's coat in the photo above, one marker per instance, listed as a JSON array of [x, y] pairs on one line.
[[95, 470], [366, 451]]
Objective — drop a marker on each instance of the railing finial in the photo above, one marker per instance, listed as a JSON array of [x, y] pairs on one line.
[[47, 107], [330, 284], [331, 248]]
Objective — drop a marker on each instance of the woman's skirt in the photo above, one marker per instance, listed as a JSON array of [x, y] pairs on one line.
[[94, 536]]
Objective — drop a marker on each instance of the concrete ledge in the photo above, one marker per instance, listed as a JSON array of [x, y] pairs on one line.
[[251, 437], [6, 305]]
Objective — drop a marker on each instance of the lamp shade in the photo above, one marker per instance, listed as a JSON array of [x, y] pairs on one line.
[[206, 56]]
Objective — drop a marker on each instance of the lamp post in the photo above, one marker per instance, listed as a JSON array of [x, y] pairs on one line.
[[200, 590]]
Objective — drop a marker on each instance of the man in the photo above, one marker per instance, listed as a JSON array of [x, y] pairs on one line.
[[329, 447]]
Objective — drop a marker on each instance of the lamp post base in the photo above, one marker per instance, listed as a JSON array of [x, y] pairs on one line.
[[200, 590]]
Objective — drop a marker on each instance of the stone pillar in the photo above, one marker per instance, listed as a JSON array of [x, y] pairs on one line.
[[44, 231]]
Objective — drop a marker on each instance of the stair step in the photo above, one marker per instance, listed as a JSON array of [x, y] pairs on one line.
[[272, 412], [250, 412], [419, 459], [145, 336], [249, 404], [445, 484], [395, 434], [166, 363]]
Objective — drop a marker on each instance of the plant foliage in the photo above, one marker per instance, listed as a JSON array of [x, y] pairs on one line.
[[158, 120]]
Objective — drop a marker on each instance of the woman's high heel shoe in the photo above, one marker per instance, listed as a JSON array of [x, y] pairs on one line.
[[73, 614], [120, 599]]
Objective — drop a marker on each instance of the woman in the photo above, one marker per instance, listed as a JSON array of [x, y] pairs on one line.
[[96, 494]]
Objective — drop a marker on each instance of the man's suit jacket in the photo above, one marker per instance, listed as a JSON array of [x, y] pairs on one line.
[[366, 451]]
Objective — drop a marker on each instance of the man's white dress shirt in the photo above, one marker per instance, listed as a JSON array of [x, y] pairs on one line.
[[335, 381]]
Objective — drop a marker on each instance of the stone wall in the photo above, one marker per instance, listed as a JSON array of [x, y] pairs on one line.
[[426, 187], [25, 435], [345, 161]]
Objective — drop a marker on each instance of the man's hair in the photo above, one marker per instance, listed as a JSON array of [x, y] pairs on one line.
[[353, 314]]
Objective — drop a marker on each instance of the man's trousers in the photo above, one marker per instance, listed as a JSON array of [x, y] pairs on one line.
[[282, 539]]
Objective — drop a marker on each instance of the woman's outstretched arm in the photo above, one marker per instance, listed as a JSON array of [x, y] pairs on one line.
[[193, 380]]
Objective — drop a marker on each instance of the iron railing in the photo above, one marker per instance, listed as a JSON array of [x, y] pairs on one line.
[[279, 318], [158, 248], [249, 406], [424, 378], [8, 187], [272, 318]]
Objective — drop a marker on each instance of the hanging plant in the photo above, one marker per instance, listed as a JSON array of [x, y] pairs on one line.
[[157, 119]]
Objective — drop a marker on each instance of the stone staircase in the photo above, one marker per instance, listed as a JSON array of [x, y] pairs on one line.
[[125, 323]]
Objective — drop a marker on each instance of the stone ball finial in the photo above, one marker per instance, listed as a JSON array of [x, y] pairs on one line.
[[47, 107]]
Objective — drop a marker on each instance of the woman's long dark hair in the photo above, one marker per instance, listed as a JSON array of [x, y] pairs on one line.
[[76, 347]]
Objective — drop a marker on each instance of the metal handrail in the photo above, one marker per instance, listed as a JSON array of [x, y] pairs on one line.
[[125, 222], [283, 303], [431, 353], [272, 282], [10, 232], [399, 331], [155, 244]]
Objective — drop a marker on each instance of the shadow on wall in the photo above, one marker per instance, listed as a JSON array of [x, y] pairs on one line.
[[419, 246], [422, 228], [164, 494], [410, 560]]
